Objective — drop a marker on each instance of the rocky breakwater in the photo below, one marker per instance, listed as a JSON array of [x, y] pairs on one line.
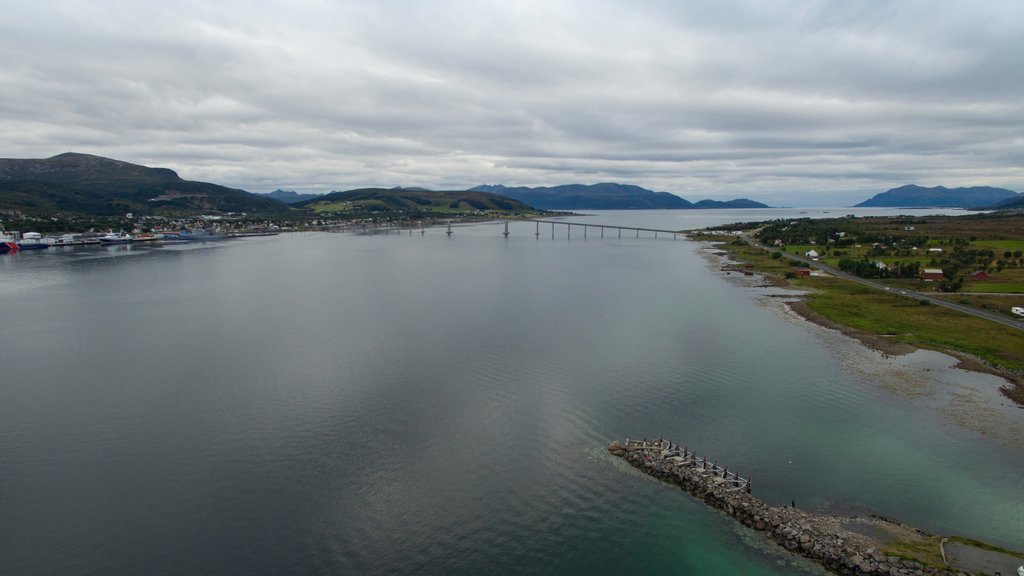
[[842, 545]]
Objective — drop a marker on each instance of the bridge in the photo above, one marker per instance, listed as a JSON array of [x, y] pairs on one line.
[[581, 229]]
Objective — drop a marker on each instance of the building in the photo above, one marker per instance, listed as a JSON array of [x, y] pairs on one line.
[[802, 271], [979, 276], [929, 274], [812, 254]]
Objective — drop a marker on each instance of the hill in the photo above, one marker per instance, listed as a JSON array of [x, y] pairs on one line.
[[1015, 203], [738, 203], [412, 203], [93, 185], [913, 196], [290, 197], [604, 196]]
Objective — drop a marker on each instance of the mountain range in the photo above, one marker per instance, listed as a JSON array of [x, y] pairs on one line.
[[409, 200], [290, 196], [913, 196], [606, 196], [97, 186]]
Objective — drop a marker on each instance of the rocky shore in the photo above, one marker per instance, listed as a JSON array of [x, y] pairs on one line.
[[842, 545]]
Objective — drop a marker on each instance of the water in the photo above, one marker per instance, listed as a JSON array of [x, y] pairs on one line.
[[340, 404]]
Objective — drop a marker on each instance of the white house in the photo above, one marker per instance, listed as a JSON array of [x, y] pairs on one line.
[[812, 254]]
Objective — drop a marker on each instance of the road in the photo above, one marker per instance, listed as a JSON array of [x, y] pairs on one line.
[[1005, 320]]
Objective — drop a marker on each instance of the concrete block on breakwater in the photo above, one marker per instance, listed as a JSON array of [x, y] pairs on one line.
[[842, 545]]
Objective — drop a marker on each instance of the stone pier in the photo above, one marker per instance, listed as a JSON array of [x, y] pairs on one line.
[[842, 545]]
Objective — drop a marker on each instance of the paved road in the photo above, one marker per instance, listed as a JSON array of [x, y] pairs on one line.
[[1005, 320]]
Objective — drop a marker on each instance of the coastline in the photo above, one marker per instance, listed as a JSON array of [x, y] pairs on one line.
[[865, 545], [795, 300]]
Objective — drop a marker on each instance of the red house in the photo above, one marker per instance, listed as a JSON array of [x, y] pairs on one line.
[[930, 274], [979, 275]]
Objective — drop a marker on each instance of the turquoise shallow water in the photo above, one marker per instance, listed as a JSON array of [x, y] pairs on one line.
[[331, 403]]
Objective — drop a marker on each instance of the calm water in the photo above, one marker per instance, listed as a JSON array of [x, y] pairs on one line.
[[341, 404]]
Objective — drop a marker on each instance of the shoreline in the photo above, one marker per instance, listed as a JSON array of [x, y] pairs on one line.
[[844, 545], [796, 301]]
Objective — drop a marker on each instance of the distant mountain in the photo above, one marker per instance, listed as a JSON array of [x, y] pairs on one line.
[[381, 200], [913, 196], [738, 203], [1015, 203], [605, 196], [289, 196], [93, 185]]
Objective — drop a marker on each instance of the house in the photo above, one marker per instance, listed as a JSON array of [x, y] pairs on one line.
[[979, 276], [929, 274], [881, 265], [802, 271], [812, 254], [935, 250]]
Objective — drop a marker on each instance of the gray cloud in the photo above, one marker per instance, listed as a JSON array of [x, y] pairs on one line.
[[812, 103]]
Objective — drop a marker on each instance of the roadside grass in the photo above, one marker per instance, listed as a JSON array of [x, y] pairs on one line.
[[907, 320], [1000, 304], [1000, 287]]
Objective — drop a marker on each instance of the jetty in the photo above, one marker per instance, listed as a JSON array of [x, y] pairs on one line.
[[842, 545]]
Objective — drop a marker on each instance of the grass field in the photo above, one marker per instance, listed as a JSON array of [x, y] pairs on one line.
[[900, 318]]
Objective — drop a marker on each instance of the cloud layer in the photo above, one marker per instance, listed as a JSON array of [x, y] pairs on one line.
[[799, 103]]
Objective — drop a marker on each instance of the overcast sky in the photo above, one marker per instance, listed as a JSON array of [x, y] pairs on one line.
[[791, 103]]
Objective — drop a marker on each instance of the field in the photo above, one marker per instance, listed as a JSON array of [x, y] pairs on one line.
[[895, 318]]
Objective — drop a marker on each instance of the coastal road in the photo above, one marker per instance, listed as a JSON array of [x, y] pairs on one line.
[[1005, 320]]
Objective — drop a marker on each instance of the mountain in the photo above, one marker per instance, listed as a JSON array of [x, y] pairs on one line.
[[605, 196], [290, 197], [380, 200], [1015, 203], [913, 196], [738, 203], [93, 185]]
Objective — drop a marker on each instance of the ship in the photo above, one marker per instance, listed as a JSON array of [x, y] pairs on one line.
[[116, 238], [32, 241]]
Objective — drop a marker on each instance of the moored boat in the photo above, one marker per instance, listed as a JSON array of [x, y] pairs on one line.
[[7, 244], [116, 238], [32, 241]]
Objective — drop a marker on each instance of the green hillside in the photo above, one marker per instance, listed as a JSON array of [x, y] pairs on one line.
[[93, 185], [414, 203]]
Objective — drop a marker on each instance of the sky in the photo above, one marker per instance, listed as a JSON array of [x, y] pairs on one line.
[[791, 103]]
